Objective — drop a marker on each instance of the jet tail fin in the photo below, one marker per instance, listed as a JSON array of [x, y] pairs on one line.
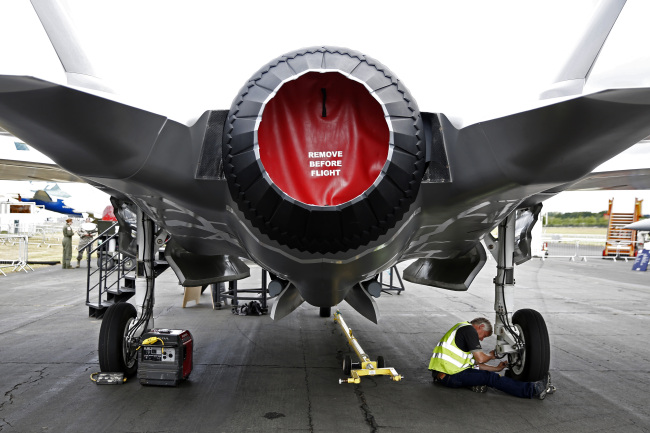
[[59, 28], [42, 196], [573, 76]]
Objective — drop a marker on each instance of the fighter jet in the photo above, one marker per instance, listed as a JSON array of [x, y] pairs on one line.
[[326, 172], [42, 198]]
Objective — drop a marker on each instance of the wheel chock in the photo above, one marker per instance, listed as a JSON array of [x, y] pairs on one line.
[[108, 378], [366, 366]]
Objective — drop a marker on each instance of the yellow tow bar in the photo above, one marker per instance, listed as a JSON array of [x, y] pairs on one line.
[[366, 367]]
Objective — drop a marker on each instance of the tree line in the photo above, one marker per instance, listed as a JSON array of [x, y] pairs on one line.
[[577, 219]]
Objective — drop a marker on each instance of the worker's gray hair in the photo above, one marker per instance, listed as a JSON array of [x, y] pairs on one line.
[[482, 321]]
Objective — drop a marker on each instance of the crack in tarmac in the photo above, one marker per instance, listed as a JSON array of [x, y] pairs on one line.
[[10, 393], [365, 409], [304, 367]]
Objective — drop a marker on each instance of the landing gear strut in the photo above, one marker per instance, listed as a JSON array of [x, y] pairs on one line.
[[122, 328], [522, 337]]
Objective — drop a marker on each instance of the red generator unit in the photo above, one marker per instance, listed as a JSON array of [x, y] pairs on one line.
[[165, 357]]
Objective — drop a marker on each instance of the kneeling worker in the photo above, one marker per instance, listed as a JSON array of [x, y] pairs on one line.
[[458, 361]]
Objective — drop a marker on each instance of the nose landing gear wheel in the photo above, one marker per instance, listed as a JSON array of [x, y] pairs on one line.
[[115, 354], [533, 362]]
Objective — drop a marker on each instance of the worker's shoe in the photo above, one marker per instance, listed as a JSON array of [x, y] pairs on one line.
[[544, 387], [550, 388], [479, 388], [78, 264]]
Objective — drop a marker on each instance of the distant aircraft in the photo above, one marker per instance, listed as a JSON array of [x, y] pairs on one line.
[[326, 172], [54, 190], [31, 174], [41, 198], [20, 162], [643, 225]]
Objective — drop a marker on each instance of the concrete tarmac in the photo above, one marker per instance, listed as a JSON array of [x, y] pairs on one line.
[[252, 374]]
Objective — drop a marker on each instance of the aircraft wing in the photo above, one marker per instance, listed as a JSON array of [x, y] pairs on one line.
[[81, 129], [23, 170], [635, 179], [614, 180]]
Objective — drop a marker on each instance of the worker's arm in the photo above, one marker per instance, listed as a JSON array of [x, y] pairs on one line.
[[495, 368], [481, 357]]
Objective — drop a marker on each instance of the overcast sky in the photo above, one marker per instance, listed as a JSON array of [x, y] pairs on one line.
[[467, 59]]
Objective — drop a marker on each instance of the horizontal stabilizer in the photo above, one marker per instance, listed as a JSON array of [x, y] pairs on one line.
[[85, 134], [560, 142], [614, 180]]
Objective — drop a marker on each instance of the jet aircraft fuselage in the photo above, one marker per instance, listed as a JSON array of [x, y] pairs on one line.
[[324, 171]]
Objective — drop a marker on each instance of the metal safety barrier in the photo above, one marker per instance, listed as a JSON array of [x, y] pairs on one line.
[[18, 263], [582, 248]]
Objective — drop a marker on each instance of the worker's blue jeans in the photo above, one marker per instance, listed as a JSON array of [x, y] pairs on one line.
[[472, 377]]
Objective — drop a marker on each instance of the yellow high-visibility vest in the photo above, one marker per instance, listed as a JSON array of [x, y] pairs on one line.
[[447, 357]]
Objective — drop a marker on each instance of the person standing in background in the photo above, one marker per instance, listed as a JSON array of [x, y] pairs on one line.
[[67, 243], [86, 233]]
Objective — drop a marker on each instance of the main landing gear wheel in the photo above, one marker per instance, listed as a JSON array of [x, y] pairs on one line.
[[128, 264], [533, 362], [105, 261], [114, 352], [325, 311]]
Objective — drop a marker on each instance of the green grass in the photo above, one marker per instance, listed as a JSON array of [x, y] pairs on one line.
[[39, 252], [575, 230]]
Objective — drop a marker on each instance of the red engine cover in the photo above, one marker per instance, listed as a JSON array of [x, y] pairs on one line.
[[323, 139]]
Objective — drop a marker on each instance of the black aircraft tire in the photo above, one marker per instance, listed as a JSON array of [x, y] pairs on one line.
[[380, 362], [538, 348], [111, 339], [347, 365], [105, 261], [325, 311]]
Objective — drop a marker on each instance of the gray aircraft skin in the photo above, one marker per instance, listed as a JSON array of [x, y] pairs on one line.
[[440, 191], [643, 226]]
